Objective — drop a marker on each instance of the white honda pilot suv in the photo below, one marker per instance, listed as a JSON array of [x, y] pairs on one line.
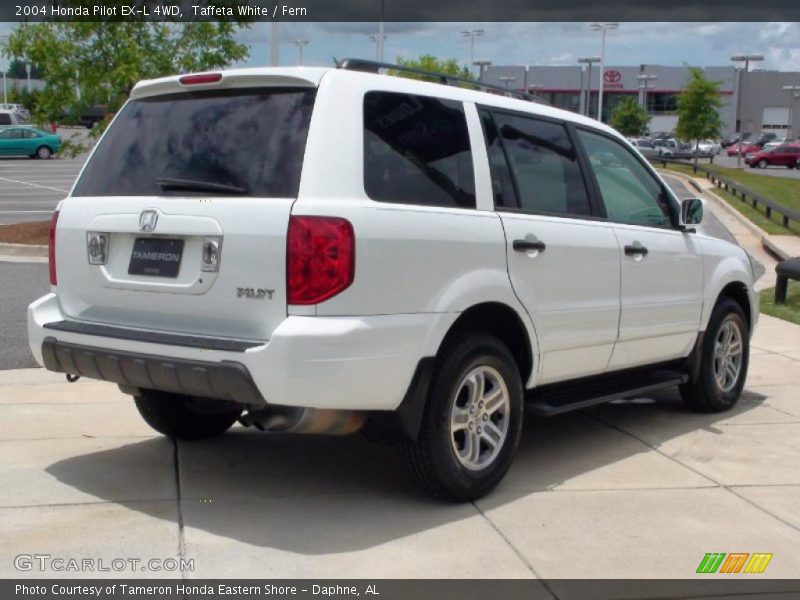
[[332, 250]]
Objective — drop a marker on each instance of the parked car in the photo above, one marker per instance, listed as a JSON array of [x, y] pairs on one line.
[[774, 143], [407, 258], [707, 147], [672, 148], [10, 117], [92, 116], [23, 112], [645, 147], [743, 148], [28, 141], [786, 155]]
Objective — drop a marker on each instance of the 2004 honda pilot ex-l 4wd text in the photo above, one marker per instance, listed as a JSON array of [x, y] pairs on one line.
[[334, 250]]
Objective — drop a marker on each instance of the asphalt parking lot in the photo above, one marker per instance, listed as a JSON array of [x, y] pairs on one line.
[[30, 189]]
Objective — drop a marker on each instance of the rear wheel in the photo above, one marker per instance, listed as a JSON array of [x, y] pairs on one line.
[[723, 362], [186, 417], [472, 421]]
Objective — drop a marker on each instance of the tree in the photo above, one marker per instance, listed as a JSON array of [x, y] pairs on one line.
[[429, 63], [97, 63], [17, 70], [698, 109], [629, 118]]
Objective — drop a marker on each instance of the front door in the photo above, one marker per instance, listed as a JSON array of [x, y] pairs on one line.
[[662, 267]]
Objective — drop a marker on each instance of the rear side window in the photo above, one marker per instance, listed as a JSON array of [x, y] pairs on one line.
[[417, 151], [5, 119], [252, 140], [545, 166]]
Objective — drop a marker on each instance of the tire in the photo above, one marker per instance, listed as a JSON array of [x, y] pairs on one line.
[[434, 457], [762, 164], [708, 394], [43, 152], [186, 417]]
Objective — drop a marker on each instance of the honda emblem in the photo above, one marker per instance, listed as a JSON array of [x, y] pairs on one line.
[[148, 220]]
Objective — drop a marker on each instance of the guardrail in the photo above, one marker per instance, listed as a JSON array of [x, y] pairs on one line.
[[737, 190]]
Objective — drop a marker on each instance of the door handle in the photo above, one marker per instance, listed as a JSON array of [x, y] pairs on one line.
[[635, 250], [526, 245]]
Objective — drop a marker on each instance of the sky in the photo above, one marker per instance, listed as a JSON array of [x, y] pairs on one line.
[[697, 44]]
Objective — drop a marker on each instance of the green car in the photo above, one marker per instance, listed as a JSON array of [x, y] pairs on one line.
[[28, 141]]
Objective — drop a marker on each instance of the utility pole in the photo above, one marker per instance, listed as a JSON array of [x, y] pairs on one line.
[[746, 59], [602, 27], [300, 44], [472, 34], [274, 51], [794, 94], [589, 60]]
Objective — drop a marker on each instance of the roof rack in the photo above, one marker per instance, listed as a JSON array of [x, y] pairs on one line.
[[371, 66]]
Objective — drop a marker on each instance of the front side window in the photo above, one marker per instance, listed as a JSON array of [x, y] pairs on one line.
[[417, 151], [544, 165], [248, 142], [630, 192]]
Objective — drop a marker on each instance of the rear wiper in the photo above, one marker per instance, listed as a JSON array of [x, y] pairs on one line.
[[193, 185]]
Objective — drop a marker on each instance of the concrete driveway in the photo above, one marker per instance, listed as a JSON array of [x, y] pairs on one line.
[[634, 489]]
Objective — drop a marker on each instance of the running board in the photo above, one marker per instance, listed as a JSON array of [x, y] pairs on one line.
[[558, 398]]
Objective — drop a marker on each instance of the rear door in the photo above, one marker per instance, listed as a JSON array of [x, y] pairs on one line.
[[193, 191], [564, 263], [662, 268], [10, 142]]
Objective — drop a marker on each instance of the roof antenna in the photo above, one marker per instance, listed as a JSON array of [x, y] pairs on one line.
[[335, 61]]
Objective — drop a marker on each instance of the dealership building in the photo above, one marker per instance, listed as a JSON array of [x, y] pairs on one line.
[[755, 101]]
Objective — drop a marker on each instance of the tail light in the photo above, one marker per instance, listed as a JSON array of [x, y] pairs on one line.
[[320, 258], [201, 79], [51, 247]]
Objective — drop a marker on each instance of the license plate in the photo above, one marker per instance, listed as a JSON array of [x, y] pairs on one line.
[[156, 257]]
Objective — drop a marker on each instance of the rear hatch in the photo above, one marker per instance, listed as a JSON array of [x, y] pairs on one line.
[[189, 193]]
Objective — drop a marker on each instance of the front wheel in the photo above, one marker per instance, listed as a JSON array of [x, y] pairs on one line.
[[762, 164], [724, 359], [472, 421], [186, 417], [43, 152]]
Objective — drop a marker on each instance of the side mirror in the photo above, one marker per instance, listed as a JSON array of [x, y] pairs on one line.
[[692, 211]]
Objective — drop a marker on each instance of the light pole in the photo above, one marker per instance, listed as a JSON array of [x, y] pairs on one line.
[[644, 80], [794, 94], [274, 44], [481, 64], [376, 38], [472, 34], [300, 44], [28, 73], [602, 27], [506, 79], [746, 59], [3, 40], [588, 60]]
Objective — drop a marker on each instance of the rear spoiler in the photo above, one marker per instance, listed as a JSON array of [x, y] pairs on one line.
[[235, 78]]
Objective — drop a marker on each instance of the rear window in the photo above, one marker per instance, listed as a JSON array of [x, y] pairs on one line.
[[252, 140], [417, 151], [5, 119]]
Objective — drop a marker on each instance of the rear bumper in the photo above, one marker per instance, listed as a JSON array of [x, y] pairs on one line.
[[225, 381], [352, 363]]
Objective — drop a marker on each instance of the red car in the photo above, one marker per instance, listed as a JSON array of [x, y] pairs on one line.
[[786, 155], [747, 148]]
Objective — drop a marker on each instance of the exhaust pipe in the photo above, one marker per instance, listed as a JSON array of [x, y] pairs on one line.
[[287, 419]]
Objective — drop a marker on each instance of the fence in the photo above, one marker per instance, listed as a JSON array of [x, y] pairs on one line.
[[737, 190]]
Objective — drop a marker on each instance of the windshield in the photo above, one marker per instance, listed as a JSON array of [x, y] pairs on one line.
[[249, 139]]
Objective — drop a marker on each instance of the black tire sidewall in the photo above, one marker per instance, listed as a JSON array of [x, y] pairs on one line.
[[478, 350], [714, 397]]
